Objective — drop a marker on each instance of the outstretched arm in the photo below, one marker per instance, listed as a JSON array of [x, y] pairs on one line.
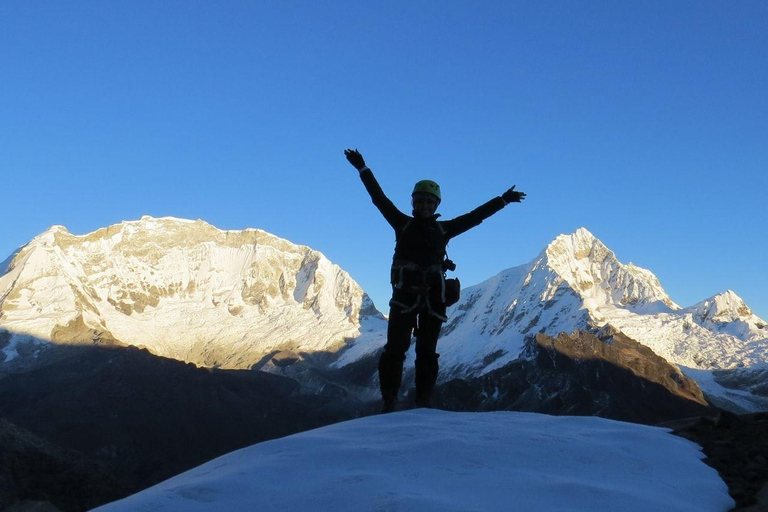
[[459, 225], [395, 217]]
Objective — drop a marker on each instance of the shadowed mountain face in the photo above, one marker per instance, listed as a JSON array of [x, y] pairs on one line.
[[737, 447], [148, 418], [581, 374], [32, 469], [739, 380]]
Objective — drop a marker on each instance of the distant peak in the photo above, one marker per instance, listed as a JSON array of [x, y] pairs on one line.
[[723, 305], [583, 232], [166, 220], [56, 228], [581, 235], [593, 271], [48, 236], [727, 296], [579, 244]]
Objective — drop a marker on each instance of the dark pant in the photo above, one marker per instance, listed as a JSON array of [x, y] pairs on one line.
[[401, 325]]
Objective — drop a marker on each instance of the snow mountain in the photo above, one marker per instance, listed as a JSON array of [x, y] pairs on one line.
[[183, 289], [247, 299], [577, 283]]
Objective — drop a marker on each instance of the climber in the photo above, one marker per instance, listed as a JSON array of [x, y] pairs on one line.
[[418, 278]]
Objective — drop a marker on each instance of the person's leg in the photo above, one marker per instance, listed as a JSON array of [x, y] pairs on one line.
[[426, 358], [391, 362]]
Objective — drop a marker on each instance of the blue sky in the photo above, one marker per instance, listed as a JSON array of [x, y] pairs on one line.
[[645, 122]]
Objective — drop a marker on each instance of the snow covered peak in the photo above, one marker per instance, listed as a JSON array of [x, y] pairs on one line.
[[575, 283], [727, 313], [182, 288], [593, 271], [151, 234], [579, 239], [723, 307], [56, 228], [48, 236]]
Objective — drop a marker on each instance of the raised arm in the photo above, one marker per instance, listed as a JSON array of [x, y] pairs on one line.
[[462, 223], [394, 217]]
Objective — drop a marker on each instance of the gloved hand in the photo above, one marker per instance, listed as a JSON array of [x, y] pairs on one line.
[[513, 196], [355, 158]]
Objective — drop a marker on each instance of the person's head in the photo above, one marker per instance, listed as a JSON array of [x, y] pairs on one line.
[[425, 198]]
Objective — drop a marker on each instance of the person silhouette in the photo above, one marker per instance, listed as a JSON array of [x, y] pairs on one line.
[[417, 277]]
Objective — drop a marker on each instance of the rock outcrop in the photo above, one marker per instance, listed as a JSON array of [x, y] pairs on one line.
[[582, 374]]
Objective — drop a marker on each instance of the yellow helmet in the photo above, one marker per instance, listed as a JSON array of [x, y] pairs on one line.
[[427, 187]]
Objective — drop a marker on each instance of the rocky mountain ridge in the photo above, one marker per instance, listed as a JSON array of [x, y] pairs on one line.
[[593, 374]]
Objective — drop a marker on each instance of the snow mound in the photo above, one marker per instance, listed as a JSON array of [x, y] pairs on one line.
[[427, 460]]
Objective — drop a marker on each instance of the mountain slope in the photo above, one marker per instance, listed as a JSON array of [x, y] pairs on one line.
[[183, 289], [580, 374], [32, 469], [147, 417]]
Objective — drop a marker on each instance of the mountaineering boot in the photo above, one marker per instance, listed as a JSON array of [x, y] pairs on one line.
[[388, 405], [390, 378], [426, 376]]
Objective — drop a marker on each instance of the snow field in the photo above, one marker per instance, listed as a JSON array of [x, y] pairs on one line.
[[429, 460]]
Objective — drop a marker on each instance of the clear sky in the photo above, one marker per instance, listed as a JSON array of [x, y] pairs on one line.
[[645, 122]]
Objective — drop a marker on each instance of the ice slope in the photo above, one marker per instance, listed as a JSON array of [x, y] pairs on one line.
[[183, 289], [428, 460]]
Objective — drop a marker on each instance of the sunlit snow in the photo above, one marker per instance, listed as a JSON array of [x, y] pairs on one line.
[[183, 289], [428, 460]]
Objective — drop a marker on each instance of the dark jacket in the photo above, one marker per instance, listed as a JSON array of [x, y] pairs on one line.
[[424, 241]]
